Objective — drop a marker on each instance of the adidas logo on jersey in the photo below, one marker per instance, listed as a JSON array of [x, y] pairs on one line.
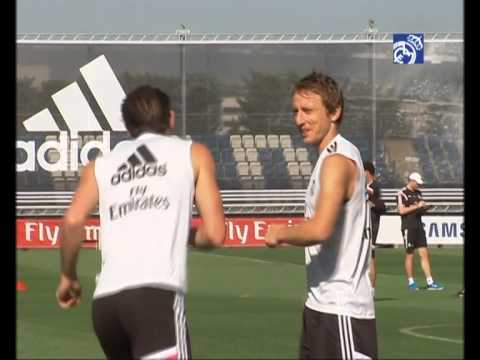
[[134, 168], [332, 148], [79, 117]]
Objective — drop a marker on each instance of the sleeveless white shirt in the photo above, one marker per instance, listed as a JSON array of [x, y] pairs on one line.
[[146, 190], [337, 269]]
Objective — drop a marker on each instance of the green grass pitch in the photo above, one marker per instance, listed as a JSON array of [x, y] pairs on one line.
[[247, 303]]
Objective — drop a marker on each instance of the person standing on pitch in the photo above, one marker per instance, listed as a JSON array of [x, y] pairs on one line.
[[339, 314], [145, 191], [411, 207], [377, 208]]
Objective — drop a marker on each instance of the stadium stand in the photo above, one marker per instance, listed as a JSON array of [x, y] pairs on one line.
[[439, 161], [271, 156]]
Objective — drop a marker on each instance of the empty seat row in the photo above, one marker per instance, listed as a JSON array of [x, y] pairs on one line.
[[299, 154], [263, 155], [260, 141], [289, 169]]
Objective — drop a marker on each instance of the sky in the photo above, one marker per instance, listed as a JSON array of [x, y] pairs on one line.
[[240, 16]]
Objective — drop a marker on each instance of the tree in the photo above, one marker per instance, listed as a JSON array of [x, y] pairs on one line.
[[171, 85], [27, 100], [266, 105], [203, 104], [202, 98]]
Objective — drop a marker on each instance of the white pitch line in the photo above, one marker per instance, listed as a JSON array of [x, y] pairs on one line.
[[254, 260], [243, 258], [409, 331]]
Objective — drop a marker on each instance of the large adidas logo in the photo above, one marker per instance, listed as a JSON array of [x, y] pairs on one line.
[[79, 117], [134, 168]]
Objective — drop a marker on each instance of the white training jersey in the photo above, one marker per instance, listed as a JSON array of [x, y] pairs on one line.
[[146, 190], [337, 269]]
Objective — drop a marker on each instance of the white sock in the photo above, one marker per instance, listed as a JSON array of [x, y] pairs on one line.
[[429, 280], [410, 281]]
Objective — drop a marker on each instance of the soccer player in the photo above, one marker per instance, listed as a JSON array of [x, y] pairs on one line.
[[145, 192], [411, 206], [377, 208], [339, 314]]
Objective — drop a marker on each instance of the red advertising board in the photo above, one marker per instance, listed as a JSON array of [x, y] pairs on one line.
[[44, 233]]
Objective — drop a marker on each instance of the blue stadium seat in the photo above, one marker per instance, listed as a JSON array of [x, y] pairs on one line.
[[230, 179], [211, 141], [452, 151], [297, 141], [276, 182], [312, 155], [277, 155], [265, 154], [216, 154], [223, 141], [229, 184], [230, 170], [267, 169], [280, 170], [227, 156], [458, 173], [220, 170]]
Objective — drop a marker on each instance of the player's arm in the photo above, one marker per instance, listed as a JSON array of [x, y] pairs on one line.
[[403, 209], [337, 180], [211, 231], [83, 203]]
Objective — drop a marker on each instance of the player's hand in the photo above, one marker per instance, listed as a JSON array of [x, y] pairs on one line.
[[422, 204], [369, 191], [68, 293], [271, 240]]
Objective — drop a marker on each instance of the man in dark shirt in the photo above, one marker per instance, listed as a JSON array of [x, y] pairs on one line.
[[377, 207], [411, 206]]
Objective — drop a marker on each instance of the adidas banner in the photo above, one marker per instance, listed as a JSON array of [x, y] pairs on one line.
[[50, 153]]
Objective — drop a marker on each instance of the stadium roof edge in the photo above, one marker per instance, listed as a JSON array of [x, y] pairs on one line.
[[227, 38]]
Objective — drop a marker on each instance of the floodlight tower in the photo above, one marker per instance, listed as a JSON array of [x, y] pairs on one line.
[[372, 29], [371, 34], [183, 35]]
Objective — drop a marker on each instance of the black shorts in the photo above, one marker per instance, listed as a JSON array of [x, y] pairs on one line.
[[414, 238], [142, 322], [330, 336]]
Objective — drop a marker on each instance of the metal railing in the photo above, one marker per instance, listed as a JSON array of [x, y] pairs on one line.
[[141, 38], [247, 202]]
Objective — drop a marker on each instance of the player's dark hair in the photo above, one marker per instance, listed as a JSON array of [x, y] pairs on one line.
[[367, 165], [146, 109]]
